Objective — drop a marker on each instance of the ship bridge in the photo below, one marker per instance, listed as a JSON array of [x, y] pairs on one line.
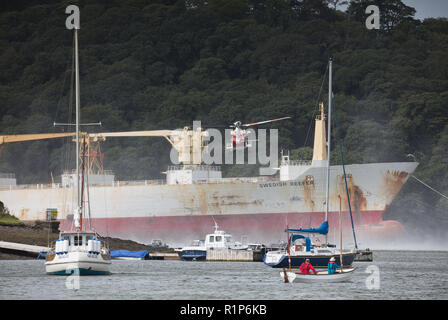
[[189, 174]]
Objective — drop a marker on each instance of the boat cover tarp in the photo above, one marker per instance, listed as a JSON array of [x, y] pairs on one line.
[[128, 254], [323, 229], [294, 237]]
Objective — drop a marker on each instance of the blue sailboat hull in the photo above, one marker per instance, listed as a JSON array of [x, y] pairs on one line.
[[193, 255]]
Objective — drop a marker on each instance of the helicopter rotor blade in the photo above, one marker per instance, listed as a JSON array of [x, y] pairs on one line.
[[262, 122], [217, 126]]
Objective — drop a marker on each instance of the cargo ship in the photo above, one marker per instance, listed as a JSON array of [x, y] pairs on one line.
[[193, 196]]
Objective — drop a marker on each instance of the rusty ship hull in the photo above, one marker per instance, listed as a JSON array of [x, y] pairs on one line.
[[258, 208]]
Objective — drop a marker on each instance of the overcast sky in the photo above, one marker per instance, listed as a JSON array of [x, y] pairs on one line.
[[429, 8]]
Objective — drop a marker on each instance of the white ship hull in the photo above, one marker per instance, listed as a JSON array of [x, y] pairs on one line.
[[258, 208]]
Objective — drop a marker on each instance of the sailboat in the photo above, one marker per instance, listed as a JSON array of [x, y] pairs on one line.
[[318, 253], [78, 251], [341, 275], [320, 276]]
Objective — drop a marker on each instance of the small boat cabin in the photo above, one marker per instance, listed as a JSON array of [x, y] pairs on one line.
[[219, 239], [78, 241]]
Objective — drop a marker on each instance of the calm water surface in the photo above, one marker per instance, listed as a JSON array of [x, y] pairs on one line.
[[402, 275]]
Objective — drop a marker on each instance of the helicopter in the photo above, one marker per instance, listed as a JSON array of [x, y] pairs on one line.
[[240, 139]]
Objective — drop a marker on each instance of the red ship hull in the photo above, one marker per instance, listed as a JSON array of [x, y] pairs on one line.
[[260, 228]]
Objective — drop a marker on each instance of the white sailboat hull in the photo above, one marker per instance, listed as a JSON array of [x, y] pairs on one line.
[[321, 276], [80, 263]]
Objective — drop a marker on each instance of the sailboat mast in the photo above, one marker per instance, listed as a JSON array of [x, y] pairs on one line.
[[328, 141], [78, 204]]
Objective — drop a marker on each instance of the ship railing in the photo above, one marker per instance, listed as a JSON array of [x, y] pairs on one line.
[[202, 167], [296, 162], [144, 182], [238, 180], [105, 172], [7, 176], [138, 182], [32, 186], [60, 185]]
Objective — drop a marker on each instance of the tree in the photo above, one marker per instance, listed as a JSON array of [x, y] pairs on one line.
[[336, 3], [304, 153], [392, 12]]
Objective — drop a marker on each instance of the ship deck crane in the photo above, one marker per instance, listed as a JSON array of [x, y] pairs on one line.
[[30, 137], [188, 143]]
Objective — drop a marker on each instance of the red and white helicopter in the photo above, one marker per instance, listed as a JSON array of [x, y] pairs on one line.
[[240, 139]]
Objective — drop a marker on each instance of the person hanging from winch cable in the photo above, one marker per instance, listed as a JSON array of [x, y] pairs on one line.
[[306, 267]]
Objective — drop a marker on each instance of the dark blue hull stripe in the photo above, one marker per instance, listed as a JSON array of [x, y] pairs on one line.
[[82, 272], [193, 258], [190, 255]]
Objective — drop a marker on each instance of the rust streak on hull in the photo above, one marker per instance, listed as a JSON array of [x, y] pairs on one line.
[[308, 192]]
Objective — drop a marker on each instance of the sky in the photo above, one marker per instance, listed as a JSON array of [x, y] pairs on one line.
[[429, 8]]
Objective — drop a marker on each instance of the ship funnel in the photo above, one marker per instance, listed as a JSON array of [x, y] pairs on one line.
[[320, 142]]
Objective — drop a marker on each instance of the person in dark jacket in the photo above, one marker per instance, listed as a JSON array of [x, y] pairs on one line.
[[332, 265], [306, 267]]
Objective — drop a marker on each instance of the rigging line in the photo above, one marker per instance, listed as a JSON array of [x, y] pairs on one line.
[[385, 197], [427, 205], [105, 204], [68, 145], [411, 199], [316, 106], [67, 155], [62, 89], [48, 234], [343, 168], [88, 199], [428, 186], [82, 180]]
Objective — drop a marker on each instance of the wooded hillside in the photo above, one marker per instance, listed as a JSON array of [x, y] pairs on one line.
[[161, 64]]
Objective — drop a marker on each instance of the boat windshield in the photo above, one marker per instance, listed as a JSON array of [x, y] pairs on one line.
[[229, 239], [197, 243], [78, 239]]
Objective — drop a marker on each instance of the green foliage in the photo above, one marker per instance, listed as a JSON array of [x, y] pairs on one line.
[[6, 219], [392, 12], [304, 153]]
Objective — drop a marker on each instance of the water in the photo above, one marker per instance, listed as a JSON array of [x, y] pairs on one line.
[[402, 275]]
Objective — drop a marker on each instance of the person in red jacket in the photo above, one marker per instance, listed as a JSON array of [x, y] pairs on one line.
[[306, 267]]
